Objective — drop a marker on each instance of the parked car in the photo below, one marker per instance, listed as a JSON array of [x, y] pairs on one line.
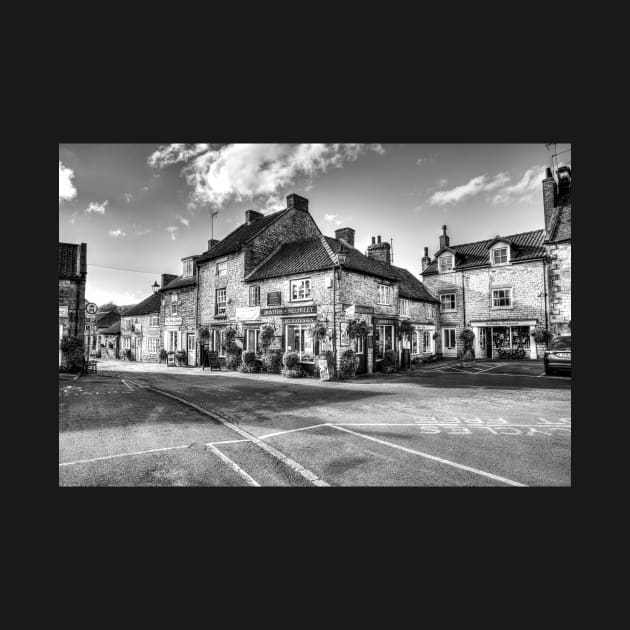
[[558, 356]]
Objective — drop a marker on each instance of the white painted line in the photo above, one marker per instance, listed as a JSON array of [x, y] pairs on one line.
[[293, 465], [233, 465], [118, 455], [433, 457], [127, 384], [230, 442], [314, 426]]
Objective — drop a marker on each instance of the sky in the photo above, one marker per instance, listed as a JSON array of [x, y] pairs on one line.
[[141, 208]]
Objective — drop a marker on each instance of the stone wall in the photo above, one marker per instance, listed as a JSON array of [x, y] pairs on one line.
[[559, 270]]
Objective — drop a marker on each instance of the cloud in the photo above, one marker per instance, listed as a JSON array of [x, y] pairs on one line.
[[99, 208], [145, 188], [419, 161], [128, 197], [117, 233], [330, 217], [475, 186], [183, 221], [73, 218], [521, 192], [172, 229], [443, 182], [67, 190], [218, 173], [105, 296]]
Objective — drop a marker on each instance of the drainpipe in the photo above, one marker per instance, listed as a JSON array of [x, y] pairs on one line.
[[545, 295], [335, 317], [198, 357]]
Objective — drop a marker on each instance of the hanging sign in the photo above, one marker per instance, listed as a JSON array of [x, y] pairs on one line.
[[63, 311], [172, 321], [299, 320]]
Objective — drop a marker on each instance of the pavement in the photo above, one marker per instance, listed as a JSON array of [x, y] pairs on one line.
[[496, 423]]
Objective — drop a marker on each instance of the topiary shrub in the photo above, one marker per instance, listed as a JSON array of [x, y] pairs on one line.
[[272, 361], [348, 367], [389, 362], [265, 337], [292, 368], [233, 357]]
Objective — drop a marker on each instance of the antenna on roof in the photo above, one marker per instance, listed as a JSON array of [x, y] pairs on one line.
[[214, 214], [391, 243]]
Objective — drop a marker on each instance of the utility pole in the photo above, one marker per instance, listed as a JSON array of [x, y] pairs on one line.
[[214, 214]]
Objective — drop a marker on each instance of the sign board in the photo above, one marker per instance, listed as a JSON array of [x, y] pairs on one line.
[[172, 321], [63, 311], [289, 310], [211, 360], [248, 312], [324, 375], [170, 359], [91, 308], [299, 320], [385, 322]]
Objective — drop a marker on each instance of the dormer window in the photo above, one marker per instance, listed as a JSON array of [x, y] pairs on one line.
[[500, 255], [500, 251], [446, 262], [188, 268]]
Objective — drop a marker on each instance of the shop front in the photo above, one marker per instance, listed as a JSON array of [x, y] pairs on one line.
[[385, 339], [180, 337], [492, 338]]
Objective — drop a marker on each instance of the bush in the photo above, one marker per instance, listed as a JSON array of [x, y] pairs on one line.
[[389, 361], [233, 357], [348, 368], [249, 357], [272, 361], [126, 353], [72, 347], [291, 360]]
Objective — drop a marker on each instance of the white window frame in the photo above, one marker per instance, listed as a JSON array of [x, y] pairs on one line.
[[248, 332], [221, 306], [381, 340], [454, 301], [154, 320], [188, 268], [152, 344], [256, 290], [221, 268], [174, 304], [218, 339], [497, 248], [404, 307], [442, 262], [308, 330], [452, 334], [429, 311], [172, 338], [301, 285], [493, 298], [427, 338], [385, 294]]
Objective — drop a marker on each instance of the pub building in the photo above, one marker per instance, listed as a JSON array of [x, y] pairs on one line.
[[279, 269]]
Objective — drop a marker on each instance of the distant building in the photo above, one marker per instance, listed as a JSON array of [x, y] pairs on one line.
[[72, 279], [557, 205], [140, 329]]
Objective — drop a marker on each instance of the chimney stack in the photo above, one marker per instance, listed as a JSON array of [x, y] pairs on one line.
[[346, 234], [550, 191], [426, 261], [373, 240], [166, 278], [297, 202], [444, 238], [252, 215], [212, 242], [380, 251]]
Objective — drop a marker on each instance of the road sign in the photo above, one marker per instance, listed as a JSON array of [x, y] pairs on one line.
[[91, 308]]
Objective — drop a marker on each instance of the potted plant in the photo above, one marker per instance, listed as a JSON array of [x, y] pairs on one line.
[[272, 361], [389, 362], [265, 337], [292, 368], [405, 329], [126, 353], [468, 355], [233, 356], [250, 363], [203, 333], [320, 331]]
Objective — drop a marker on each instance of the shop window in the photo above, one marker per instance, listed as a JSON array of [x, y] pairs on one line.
[[171, 341], [300, 289], [254, 296], [251, 340], [446, 263], [501, 298], [384, 294], [222, 269], [221, 303], [217, 342], [152, 345], [299, 338], [447, 302], [520, 337], [274, 298], [385, 340], [426, 341]]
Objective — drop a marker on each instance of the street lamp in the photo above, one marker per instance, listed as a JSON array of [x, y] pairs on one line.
[[155, 286]]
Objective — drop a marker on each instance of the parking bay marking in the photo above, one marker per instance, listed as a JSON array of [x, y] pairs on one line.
[[448, 462]]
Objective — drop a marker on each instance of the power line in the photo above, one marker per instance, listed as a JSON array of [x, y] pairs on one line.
[[150, 273]]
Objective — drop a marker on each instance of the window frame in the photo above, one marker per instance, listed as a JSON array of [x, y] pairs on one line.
[[444, 258], [274, 293], [221, 269], [405, 307], [188, 269], [493, 299], [454, 301], [256, 301], [493, 250], [385, 294], [303, 329], [174, 304], [220, 307], [155, 318], [152, 341], [306, 279]]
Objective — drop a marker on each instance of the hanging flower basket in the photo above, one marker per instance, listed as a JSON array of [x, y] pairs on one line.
[[542, 335], [406, 328], [357, 328], [203, 333], [265, 339]]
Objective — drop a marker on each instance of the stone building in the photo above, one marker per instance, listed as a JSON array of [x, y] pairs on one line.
[[141, 329], [557, 205], [178, 311], [72, 279], [496, 287], [281, 270]]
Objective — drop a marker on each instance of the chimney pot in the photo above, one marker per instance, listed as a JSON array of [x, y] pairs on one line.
[[212, 242], [252, 215], [298, 202], [444, 238], [379, 238], [373, 240], [548, 173], [426, 251]]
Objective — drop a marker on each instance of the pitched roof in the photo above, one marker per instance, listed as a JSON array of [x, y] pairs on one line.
[[410, 287], [179, 282], [112, 330], [560, 229], [237, 238], [525, 246], [149, 305], [311, 255], [106, 318]]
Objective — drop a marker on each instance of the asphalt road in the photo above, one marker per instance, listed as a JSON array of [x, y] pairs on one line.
[[440, 427]]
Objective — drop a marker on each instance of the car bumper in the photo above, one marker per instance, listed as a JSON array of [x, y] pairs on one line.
[[558, 365]]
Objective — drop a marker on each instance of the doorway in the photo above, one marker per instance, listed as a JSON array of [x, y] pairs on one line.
[[362, 354], [485, 345], [448, 342], [190, 354]]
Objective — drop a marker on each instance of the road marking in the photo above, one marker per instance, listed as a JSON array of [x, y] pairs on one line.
[[226, 442], [293, 465], [118, 455], [433, 457], [314, 426], [233, 465], [127, 384]]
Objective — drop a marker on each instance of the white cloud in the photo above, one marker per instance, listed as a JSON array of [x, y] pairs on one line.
[[67, 190], [99, 208], [172, 229], [117, 233], [443, 182], [104, 296], [73, 218], [521, 192], [245, 171], [145, 188], [330, 217], [475, 186], [419, 161], [128, 197], [183, 221]]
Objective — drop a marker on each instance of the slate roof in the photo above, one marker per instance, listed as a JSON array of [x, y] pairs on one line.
[[112, 330], [560, 229], [179, 282], [236, 239], [106, 319], [525, 246], [410, 287], [150, 305], [311, 255]]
